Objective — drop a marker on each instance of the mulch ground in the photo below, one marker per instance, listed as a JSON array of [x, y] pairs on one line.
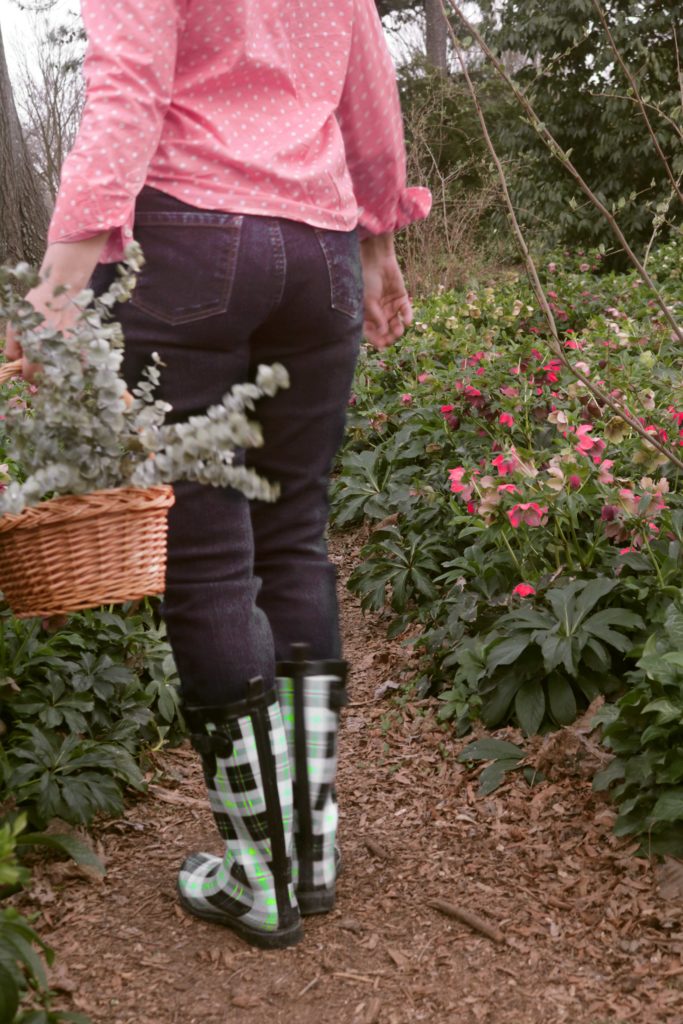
[[580, 930]]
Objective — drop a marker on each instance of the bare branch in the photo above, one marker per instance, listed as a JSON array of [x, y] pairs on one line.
[[638, 98]]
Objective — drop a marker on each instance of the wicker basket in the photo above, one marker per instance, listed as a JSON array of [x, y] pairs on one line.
[[81, 551]]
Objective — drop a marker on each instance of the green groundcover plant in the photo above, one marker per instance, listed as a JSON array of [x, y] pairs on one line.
[[526, 535], [25, 994]]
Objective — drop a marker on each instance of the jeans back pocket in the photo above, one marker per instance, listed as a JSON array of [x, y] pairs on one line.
[[341, 250], [190, 262]]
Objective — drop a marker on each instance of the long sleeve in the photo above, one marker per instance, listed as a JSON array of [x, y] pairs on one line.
[[370, 119], [129, 71]]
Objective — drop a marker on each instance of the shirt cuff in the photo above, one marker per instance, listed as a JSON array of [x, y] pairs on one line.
[[413, 204], [80, 214]]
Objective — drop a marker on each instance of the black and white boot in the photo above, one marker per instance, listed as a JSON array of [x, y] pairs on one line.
[[311, 695], [245, 758]]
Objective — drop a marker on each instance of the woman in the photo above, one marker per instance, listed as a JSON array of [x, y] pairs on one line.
[[249, 146]]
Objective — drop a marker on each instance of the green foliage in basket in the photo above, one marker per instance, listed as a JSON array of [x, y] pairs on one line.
[[81, 435]]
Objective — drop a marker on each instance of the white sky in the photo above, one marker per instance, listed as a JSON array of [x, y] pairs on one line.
[[17, 26]]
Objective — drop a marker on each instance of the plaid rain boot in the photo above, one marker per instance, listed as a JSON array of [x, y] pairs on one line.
[[246, 766], [312, 694]]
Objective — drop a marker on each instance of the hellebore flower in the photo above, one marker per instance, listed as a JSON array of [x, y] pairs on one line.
[[524, 590], [528, 512]]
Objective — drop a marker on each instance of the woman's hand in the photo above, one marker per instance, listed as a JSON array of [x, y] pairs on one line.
[[388, 309], [67, 268]]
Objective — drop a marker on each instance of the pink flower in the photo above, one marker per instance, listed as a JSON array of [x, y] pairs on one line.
[[604, 475], [506, 419], [505, 464], [422, 377], [583, 267], [447, 409], [511, 392], [528, 512], [524, 590], [592, 446], [574, 482], [406, 399], [507, 489], [353, 400]]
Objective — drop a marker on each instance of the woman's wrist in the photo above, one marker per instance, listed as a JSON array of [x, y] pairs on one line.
[[68, 266]]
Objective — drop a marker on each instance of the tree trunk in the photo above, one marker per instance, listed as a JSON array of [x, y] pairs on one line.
[[437, 35], [23, 206]]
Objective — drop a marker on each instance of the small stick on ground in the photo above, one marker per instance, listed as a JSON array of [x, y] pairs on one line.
[[376, 850], [472, 921], [307, 988]]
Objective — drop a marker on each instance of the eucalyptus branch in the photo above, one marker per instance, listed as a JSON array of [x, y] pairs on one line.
[[555, 344], [630, 77], [557, 151]]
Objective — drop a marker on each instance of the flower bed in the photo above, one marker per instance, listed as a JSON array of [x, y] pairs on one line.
[[529, 537]]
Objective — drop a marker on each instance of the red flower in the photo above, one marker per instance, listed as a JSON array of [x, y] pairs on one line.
[[524, 590], [506, 419], [528, 512]]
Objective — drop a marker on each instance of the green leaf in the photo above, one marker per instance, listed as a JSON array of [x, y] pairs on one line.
[[69, 844], [530, 706], [614, 772], [496, 707], [507, 651], [494, 775], [669, 806], [9, 996], [612, 617], [561, 699], [593, 591], [490, 749]]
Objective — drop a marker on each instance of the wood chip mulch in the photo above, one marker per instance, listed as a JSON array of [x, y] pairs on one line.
[[516, 908]]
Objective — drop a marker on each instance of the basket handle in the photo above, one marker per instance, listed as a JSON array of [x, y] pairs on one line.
[[10, 370]]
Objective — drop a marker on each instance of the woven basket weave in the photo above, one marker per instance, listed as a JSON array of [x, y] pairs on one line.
[[81, 551]]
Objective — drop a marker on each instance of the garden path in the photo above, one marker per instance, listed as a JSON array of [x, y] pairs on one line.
[[588, 936]]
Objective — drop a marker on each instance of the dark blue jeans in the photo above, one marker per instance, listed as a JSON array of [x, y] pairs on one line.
[[219, 294]]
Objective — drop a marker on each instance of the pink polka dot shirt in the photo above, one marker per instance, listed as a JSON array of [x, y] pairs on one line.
[[285, 108]]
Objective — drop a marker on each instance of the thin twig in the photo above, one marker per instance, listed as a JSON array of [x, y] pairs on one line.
[[307, 988], [559, 153], [638, 98], [472, 921], [555, 343], [652, 106]]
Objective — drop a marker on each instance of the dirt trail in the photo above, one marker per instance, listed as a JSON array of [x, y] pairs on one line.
[[587, 937]]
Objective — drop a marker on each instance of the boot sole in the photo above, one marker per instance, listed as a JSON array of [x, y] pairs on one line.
[[279, 939]]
